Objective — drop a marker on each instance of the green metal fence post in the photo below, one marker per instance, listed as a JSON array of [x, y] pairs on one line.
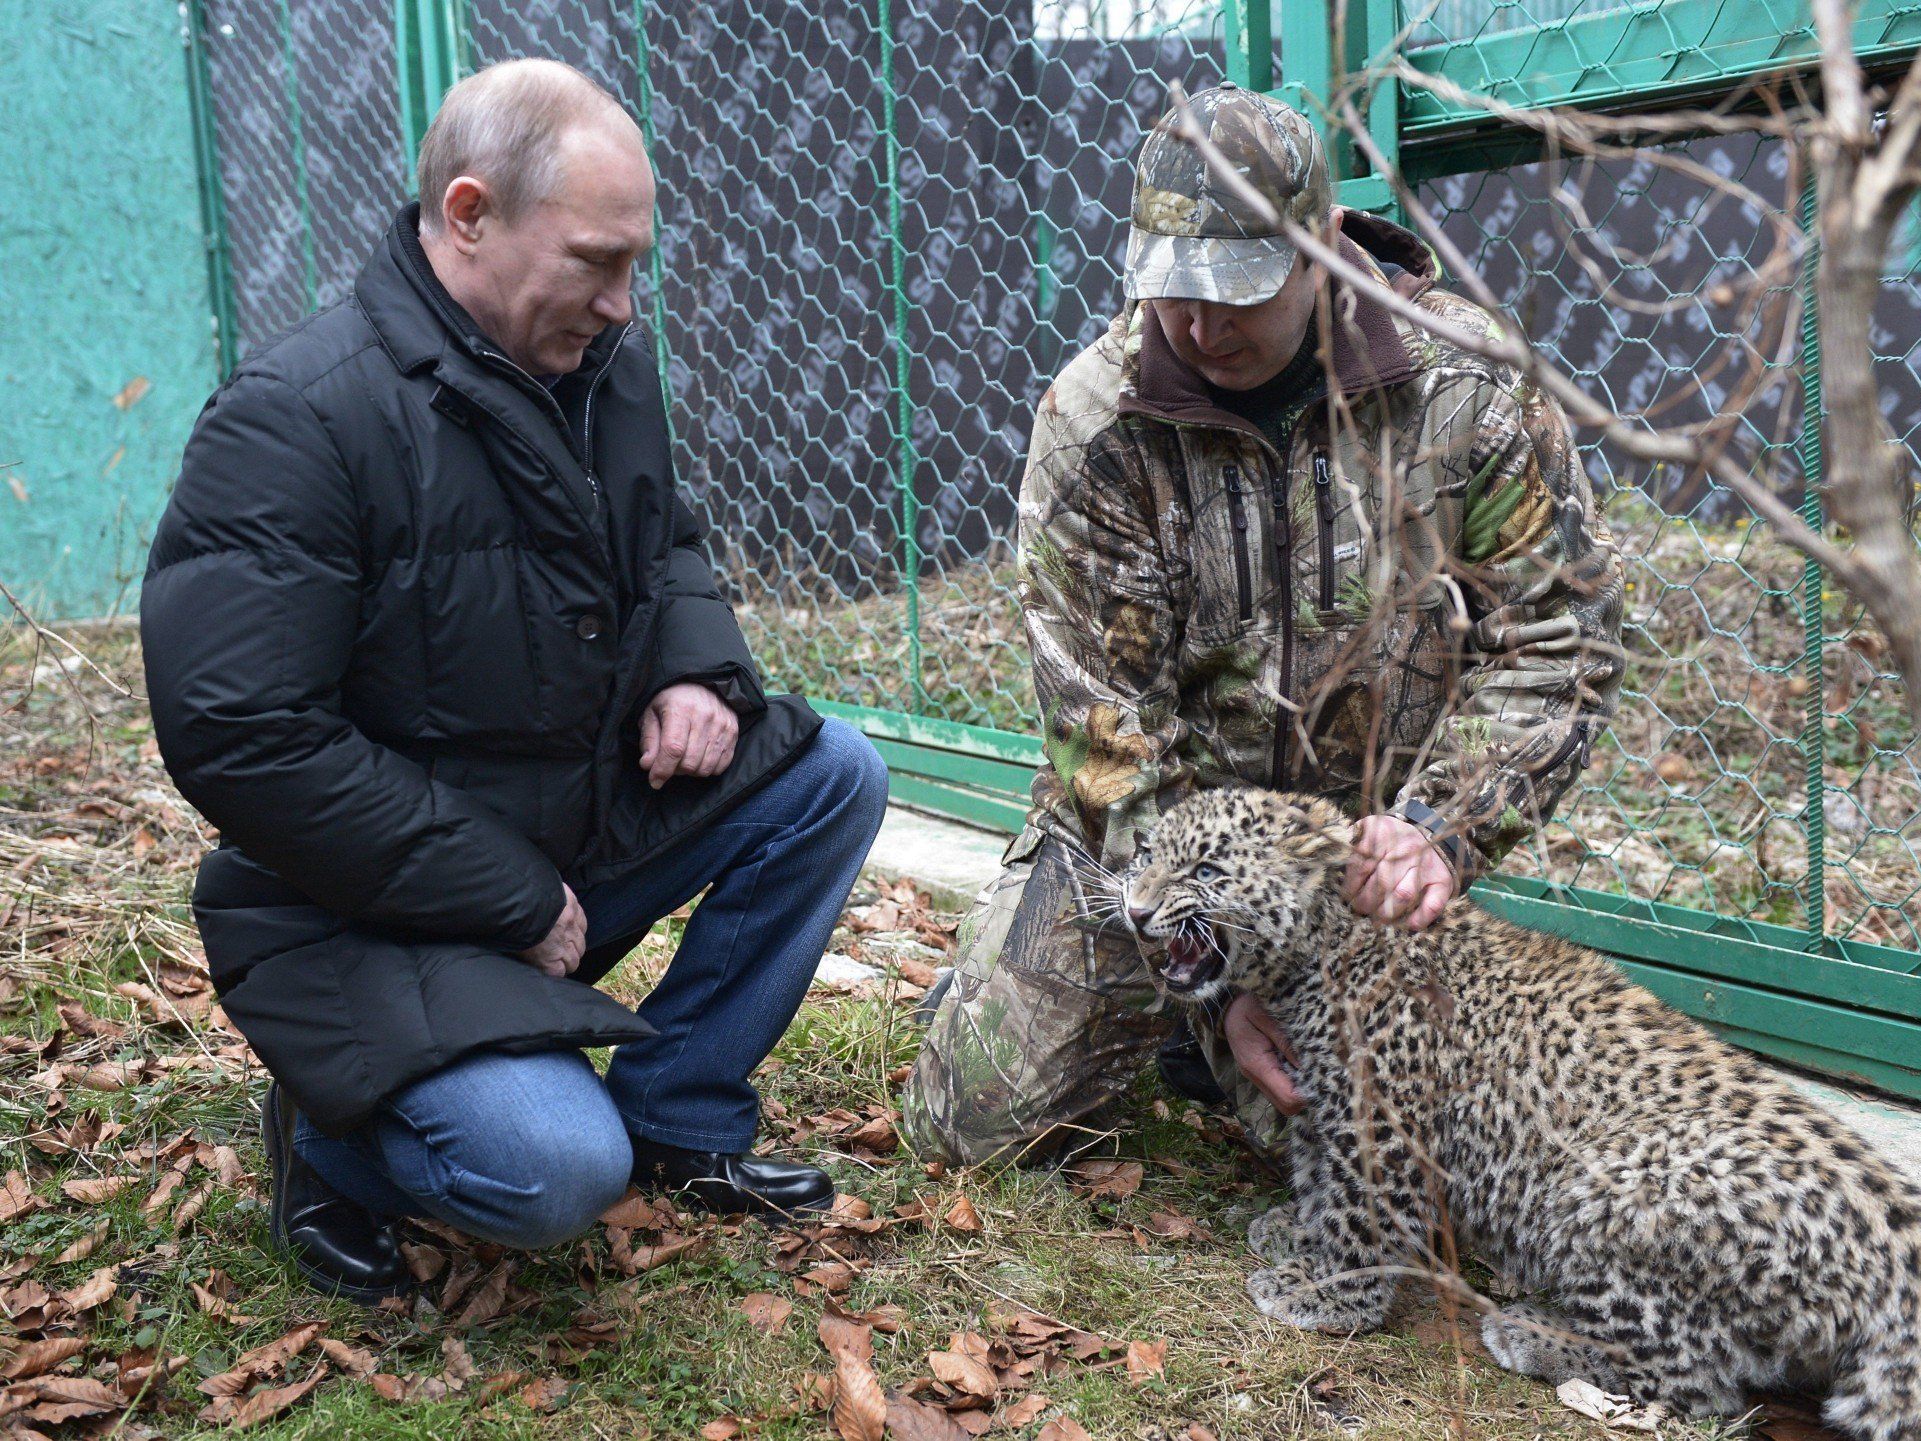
[[1307, 59], [297, 133], [430, 38], [1250, 43], [904, 405], [213, 199], [1814, 726]]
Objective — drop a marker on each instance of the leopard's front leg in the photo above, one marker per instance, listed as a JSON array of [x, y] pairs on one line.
[[1355, 1230]]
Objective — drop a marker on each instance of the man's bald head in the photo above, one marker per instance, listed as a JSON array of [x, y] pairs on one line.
[[509, 126], [537, 202]]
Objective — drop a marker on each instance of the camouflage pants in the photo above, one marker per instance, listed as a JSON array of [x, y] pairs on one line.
[[1051, 1015]]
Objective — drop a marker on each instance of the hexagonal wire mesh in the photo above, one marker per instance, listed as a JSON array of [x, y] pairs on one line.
[[955, 172]]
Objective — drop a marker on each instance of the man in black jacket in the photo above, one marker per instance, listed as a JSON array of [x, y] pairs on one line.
[[433, 642]]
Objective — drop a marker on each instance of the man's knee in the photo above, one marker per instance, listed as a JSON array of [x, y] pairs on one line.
[[548, 1190], [855, 770]]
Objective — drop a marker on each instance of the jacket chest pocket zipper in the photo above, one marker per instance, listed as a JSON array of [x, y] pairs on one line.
[[1243, 559], [1324, 517]]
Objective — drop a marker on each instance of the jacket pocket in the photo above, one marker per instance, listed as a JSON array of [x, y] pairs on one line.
[[1243, 553], [1324, 527]]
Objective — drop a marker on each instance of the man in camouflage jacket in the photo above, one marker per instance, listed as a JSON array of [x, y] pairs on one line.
[[1269, 534]]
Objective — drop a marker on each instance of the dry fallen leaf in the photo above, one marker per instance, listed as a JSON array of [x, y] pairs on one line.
[[129, 394], [263, 1404], [1063, 1428], [766, 1312], [962, 1216], [16, 1197], [261, 1361], [963, 1372], [544, 1393], [721, 1428], [487, 1300], [83, 1248], [1022, 1411], [96, 1190], [1198, 1432], [351, 1359], [912, 1420], [1108, 1179], [634, 1212], [96, 1290], [1146, 1360], [860, 1410], [38, 1357]]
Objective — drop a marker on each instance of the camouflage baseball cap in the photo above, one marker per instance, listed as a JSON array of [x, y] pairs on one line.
[[1192, 237]]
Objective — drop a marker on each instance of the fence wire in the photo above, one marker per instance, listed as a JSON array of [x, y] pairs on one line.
[[885, 226]]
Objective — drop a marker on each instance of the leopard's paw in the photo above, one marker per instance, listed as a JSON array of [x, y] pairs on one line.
[[1271, 1235]]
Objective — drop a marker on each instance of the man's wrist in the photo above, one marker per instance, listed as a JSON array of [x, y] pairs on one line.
[[1449, 842], [1214, 1009]]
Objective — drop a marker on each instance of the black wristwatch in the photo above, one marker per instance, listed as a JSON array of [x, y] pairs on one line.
[[1448, 842]]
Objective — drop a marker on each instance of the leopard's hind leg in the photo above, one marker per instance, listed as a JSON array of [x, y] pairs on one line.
[[1668, 1344]]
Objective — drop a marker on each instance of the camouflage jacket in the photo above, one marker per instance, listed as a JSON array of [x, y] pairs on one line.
[[1414, 599]]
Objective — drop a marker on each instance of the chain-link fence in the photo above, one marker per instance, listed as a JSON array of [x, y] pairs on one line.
[[885, 226]]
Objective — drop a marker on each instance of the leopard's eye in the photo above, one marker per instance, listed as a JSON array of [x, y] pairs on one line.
[[1206, 872]]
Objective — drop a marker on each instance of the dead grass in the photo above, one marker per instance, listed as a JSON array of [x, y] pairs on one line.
[[132, 1275]]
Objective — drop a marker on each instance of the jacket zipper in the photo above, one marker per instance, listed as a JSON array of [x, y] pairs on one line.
[[1324, 513], [546, 398], [1284, 528], [587, 420], [1243, 561]]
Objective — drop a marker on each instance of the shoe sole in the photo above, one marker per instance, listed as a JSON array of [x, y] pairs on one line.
[[279, 1141]]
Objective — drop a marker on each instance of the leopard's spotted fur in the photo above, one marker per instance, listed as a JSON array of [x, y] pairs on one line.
[[1692, 1226]]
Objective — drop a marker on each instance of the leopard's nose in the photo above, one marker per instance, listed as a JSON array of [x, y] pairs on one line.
[[1141, 915]]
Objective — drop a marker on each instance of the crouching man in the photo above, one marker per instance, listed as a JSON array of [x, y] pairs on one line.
[[433, 642], [1270, 534]]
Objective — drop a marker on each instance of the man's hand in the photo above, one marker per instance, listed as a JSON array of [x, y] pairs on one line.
[[1260, 1045], [566, 943], [1396, 875], [686, 730]]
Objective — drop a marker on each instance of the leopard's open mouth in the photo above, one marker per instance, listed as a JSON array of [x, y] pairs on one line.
[[1194, 959]]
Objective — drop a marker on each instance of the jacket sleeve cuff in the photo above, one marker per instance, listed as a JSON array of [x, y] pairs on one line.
[[1445, 838], [734, 684], [532, 933]]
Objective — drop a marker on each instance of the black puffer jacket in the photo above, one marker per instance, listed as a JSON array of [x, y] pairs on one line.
[[400, 619]]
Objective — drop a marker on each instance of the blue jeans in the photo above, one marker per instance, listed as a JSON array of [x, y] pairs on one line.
[[527, 1150]]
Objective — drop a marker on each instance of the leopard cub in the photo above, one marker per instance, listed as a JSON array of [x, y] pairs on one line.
[[1691, 1226]]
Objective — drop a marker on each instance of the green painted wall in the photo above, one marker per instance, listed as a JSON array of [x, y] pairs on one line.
[[106, 348]]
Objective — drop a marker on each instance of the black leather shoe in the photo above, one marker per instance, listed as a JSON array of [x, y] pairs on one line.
[[338, 1245], [1185, 1071], [715, 1181]]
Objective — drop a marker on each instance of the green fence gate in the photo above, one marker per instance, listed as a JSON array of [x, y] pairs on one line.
[[885, 224]]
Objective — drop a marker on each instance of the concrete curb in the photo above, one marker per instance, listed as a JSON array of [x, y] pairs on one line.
[[948, 860]]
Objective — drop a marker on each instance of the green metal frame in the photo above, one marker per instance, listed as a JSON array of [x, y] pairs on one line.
[[1632, 57], [213, 196], [430, 46]]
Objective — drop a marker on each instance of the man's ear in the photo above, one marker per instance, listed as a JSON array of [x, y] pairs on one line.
[[465, 211]]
